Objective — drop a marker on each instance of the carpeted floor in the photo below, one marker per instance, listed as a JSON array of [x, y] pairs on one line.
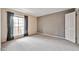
[[39, 43]]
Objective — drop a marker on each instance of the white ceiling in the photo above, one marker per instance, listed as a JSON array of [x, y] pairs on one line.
[[40, 11]]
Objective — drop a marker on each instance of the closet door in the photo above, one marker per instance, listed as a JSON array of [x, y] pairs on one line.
[[0, 28], [70, 26]]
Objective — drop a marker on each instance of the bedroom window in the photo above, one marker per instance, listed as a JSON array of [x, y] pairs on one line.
[[18, 26]]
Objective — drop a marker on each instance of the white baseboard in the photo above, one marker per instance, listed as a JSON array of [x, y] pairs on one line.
[[51, 35]]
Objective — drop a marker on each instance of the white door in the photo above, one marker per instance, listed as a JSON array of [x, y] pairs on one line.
[[0, 29], [70, 26]]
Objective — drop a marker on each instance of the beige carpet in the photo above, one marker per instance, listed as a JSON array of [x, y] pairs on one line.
[[39, 43]]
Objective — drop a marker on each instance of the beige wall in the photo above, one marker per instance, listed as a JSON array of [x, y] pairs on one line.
[[4, 23], [0, 28], [78, 28], [53, 24], [32, 25], [3, 26]]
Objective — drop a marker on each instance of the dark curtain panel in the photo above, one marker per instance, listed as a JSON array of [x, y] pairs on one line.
[[26, 26], [10, 26]]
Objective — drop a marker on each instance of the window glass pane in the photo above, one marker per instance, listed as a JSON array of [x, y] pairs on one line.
[[15, 19], [16, 31], [18, 26], [21, 25]]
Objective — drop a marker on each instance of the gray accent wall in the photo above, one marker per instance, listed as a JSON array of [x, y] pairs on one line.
[[53, 24], [78, 28]]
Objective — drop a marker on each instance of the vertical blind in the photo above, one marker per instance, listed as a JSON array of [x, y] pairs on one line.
[[26, 26], [10, 25]]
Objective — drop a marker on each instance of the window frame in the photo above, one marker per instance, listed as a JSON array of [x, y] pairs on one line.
[[19, 35]]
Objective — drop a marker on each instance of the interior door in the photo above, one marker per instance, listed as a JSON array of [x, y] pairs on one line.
[[0, 29], [70, 27]]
